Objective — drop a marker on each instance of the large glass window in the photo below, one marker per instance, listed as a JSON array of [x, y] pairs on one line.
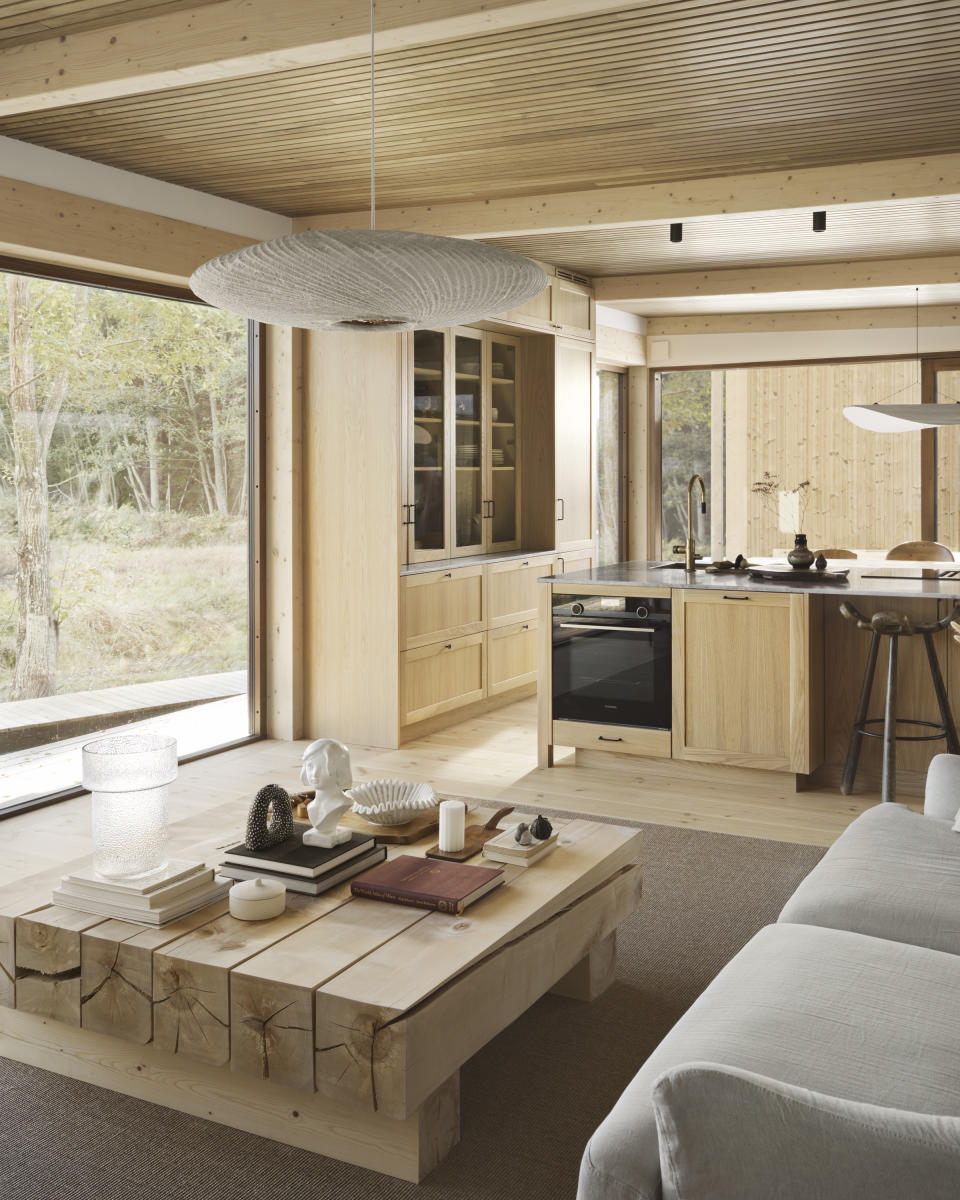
[[124, 525], [611, 530], [686, 401]]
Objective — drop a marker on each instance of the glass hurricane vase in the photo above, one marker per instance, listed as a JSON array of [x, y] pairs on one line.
[[128, 776]]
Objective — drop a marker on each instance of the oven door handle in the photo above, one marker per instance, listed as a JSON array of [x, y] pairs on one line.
[[604, 628]]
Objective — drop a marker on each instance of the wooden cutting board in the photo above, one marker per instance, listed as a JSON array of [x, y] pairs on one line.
[[395, 835]]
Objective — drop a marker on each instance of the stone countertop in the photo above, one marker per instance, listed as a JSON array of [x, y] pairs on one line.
[[900, 580]]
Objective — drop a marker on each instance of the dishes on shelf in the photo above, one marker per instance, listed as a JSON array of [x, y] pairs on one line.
[[468, 455]]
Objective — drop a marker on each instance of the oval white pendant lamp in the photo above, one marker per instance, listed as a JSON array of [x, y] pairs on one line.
[[379, 281], [904, 418]]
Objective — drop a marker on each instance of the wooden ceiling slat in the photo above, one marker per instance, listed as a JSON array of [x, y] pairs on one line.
[[682, 90]]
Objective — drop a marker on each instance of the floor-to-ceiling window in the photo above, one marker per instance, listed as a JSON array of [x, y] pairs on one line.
[[124, 525], [611, 442]]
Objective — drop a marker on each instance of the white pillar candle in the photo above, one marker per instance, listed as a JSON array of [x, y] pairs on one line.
[[453, 821]]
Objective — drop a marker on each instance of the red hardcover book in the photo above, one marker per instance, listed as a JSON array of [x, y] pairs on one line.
[[427, 883]]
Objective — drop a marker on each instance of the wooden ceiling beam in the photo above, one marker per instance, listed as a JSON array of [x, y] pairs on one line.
[[239, 38], [642, 204], [803, 277]]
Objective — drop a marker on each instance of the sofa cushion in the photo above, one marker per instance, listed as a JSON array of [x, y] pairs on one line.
[[733, 1135], [836, 1012], [891, 874]]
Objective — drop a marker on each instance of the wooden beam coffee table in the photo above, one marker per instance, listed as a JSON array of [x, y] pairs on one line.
[[339, 1027]]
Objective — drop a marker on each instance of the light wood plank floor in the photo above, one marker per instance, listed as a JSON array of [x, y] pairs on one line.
[[492, 757]]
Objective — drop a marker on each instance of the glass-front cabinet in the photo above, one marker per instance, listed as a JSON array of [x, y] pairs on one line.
[[463, 428]]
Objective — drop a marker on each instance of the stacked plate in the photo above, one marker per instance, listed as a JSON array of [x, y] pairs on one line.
[[498, 457], [468, 455]]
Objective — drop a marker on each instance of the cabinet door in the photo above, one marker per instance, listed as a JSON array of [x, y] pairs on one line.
[[741, 670], [573, 309], [513, 593], [426, 517], [511, 657], [574, 441], [435, 679], [534, 314], [503, 441], [469, 429], [578, 560], [437, 605]]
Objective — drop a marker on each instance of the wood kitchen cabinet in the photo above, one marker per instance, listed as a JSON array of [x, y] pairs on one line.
[[462, 444], [574, 445], [565, 307], [445, 675], [511, 657], [512, 590], [438, 605], [746, 679]]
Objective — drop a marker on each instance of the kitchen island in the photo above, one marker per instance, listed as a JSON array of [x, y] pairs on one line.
[[762, 673]]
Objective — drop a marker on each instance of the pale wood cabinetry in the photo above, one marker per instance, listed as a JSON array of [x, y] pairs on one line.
[[566, 307], [445, 675], [574, 444], [744, 691], [438, 605], [468, 634]]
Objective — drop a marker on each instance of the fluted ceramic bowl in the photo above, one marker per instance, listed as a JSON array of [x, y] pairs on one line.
[[392, 801]]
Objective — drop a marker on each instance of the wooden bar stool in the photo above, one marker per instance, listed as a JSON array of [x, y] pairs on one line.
[[895, 626]]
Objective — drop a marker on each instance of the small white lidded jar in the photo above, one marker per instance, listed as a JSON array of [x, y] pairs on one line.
[[257, 899]]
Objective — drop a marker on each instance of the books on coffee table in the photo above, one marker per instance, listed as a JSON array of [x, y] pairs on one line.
[[427, 883], [179, 888], [292, 857], [506, 849], [319, 883]]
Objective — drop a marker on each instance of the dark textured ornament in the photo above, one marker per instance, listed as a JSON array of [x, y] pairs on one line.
[[541, 828], [260, 835], [820, 563]]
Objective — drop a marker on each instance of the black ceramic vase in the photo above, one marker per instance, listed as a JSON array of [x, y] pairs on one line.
[[801, 557]]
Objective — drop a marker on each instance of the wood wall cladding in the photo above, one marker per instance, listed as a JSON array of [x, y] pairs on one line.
[[665, 91], [948, 465], [27, 21], [864, 487]]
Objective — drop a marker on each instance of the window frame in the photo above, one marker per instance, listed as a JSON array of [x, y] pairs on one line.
[[623, 435], [256, 500]]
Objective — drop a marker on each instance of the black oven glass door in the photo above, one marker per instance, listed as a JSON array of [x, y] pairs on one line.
[[613, 672]]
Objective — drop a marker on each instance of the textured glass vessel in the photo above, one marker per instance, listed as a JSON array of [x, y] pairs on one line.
[[128, 775]]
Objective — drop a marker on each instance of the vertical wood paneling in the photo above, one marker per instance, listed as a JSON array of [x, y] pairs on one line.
[[788, 420]]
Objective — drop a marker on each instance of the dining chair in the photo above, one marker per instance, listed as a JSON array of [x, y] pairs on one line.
[[921, 552], [834, 552]]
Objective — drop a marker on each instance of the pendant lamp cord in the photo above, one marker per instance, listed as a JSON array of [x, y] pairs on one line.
[[373, 122]]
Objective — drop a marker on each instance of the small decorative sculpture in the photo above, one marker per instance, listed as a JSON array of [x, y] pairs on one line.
[[326, 767], [820, 562], [523, 835], [260, 835], [541, 828]]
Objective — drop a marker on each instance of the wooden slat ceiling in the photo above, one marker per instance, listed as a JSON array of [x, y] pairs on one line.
[[686, 89], [26, 21], [891, 229]]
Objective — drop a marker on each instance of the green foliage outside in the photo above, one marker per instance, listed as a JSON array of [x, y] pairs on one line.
[[146, 476], [685, 450]]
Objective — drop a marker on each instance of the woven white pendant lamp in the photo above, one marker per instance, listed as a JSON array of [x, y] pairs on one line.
[[379, 281]]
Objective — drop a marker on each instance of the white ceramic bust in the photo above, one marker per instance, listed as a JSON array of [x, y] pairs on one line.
[[326, 768]]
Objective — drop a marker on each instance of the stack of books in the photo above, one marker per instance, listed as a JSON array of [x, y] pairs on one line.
[[506, 849], [179, 888], [446, 887], [307, 869]]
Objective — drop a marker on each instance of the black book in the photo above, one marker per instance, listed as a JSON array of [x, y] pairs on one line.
[[292, 857], [311, 887]]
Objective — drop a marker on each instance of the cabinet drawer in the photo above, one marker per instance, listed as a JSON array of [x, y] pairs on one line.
[[511, 657], [435, 679], [438, 605], [512, 593], [573, 560], [622, 739]]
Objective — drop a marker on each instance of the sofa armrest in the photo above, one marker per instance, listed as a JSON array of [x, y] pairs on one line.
[[733, 1135], [942, 796]]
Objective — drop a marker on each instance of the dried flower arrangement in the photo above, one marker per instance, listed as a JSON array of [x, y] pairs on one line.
[[769, 488]]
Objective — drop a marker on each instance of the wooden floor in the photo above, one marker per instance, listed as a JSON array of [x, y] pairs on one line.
[[492, 757]]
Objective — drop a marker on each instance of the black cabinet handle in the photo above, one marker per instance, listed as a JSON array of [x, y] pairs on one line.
[[448, 646], [601, 738], [563, 508], [448, 575], [736, 597], [493, 508]]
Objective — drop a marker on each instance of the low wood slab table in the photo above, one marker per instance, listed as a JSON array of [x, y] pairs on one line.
[[339, 1027]]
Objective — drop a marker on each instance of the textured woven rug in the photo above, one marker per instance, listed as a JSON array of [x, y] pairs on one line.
[[530, 1099]]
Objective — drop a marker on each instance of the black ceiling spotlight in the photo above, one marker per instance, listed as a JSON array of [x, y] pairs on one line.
[[676, 231], [819, 222]]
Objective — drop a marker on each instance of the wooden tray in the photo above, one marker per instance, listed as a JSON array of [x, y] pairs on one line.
[[791, 573], [395, 835], [475, 837]]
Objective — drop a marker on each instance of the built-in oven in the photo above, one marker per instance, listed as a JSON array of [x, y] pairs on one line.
[[611, 660]]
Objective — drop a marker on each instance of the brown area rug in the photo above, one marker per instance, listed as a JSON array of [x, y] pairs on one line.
[[530, 1099]]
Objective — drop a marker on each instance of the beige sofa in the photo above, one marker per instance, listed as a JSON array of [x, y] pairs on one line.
[[823, 1062]]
